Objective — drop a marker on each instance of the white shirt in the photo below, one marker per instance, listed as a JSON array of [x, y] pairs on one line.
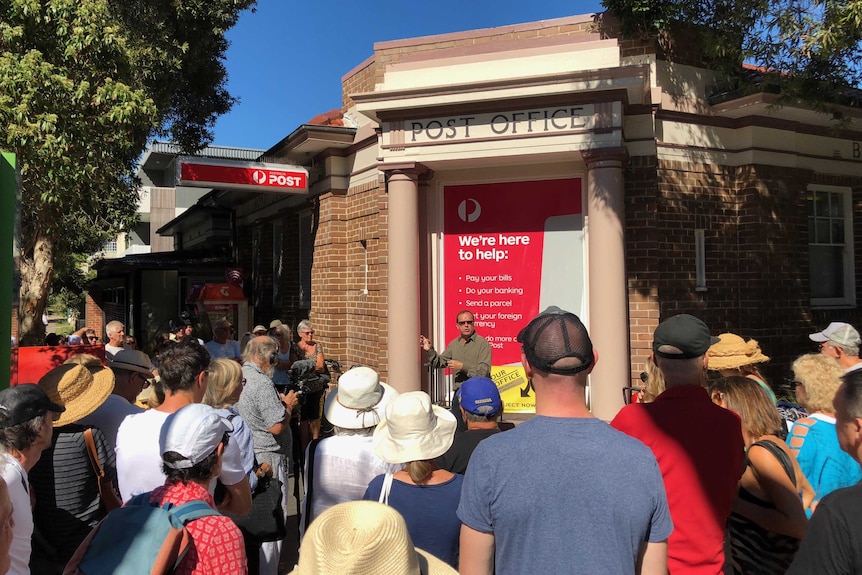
[[228, 349], [110, 415], [22, 515], [113, 350], [344, 465], [139, 461]]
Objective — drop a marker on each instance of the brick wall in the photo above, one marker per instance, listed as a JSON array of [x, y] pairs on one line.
[[641, 208], [94, 314], [756, 254], [351, 232]]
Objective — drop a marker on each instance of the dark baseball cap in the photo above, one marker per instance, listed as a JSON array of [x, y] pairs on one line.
[[21, 403], [479, 395], [556, 341], [682, 336]]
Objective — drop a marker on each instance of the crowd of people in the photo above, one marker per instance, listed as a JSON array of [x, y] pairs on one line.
[[705, 471]]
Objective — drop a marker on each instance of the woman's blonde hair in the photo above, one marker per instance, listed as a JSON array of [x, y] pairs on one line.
[[821, 376], [654, 384], [751, 402], [223, 377]]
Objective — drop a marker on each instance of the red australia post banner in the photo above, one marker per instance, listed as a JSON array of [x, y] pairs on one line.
[[510, 250]]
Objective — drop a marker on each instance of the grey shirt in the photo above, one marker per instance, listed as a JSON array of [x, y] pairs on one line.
[[261, 408]]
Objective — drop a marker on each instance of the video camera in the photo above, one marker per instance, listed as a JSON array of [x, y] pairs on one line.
[[304, 379]]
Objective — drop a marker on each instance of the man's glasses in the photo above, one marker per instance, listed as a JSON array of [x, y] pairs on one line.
[[147, 381], [466, 322], [629, 392], [93, 338]]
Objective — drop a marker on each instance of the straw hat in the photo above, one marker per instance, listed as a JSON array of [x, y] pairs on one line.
[[732, 351], [74, 387], [359, 400], [413, 429], [101, 374], [362, 537]]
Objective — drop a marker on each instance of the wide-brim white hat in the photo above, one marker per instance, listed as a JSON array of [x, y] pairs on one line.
[[414, 430], [363, 537], [359, 399]]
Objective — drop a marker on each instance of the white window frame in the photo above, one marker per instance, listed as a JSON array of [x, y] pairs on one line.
[[849, 297]]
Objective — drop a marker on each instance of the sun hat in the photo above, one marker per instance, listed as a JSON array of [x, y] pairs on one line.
[[132, 360], [479, 395], [413, 429], [275, 323], [686, 333], [732, 351], [101, 374], [823, 336], [24, 402], [194, 432], [359, 400], [75, 388], [362, 537], [553, 339], [258, 328]]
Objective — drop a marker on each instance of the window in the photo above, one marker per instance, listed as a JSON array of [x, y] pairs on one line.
[[306, 255], [277, 263], [111, 246], [830, 246]]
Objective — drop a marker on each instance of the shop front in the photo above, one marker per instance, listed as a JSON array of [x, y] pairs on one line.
[[505, 197]]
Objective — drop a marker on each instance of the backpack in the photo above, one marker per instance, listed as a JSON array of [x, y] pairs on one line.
[[139, 538]]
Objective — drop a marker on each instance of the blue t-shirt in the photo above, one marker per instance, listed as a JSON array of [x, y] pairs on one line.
[[565, 495], [429, 511], [815, 444]]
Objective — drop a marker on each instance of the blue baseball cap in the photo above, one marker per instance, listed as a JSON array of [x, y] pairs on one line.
[[480, 396]]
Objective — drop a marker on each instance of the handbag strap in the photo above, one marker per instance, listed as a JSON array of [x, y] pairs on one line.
[[94, 455], [385, 489]]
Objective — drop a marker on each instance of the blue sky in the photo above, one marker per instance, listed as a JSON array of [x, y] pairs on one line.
[[286, 60]]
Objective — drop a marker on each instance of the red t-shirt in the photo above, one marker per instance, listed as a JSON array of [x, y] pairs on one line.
[[700, 452], [217, 546]]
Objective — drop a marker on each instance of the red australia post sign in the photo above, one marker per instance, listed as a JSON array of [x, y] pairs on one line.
[[511, 250], [252, 176]]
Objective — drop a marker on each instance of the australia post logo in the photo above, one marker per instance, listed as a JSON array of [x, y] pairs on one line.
[[247, 177], [278, 178]]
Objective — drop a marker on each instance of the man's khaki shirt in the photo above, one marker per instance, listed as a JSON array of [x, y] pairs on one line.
[[474, 353]]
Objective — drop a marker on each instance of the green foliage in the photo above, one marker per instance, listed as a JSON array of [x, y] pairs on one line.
[[69, 288], [84, 84], [806, 50]]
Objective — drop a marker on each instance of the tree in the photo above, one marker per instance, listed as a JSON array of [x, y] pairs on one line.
[[84, 84], [807, 51]]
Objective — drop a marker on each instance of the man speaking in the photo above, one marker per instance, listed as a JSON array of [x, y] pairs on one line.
[[468, 355]]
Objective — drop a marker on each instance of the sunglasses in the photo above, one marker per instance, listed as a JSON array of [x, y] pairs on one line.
[[466, 322]]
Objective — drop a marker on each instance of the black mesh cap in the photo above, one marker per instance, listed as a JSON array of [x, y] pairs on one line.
[[556, 341]]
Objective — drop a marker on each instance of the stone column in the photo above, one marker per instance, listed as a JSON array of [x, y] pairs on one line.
[[405, 363], [608, 292]]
